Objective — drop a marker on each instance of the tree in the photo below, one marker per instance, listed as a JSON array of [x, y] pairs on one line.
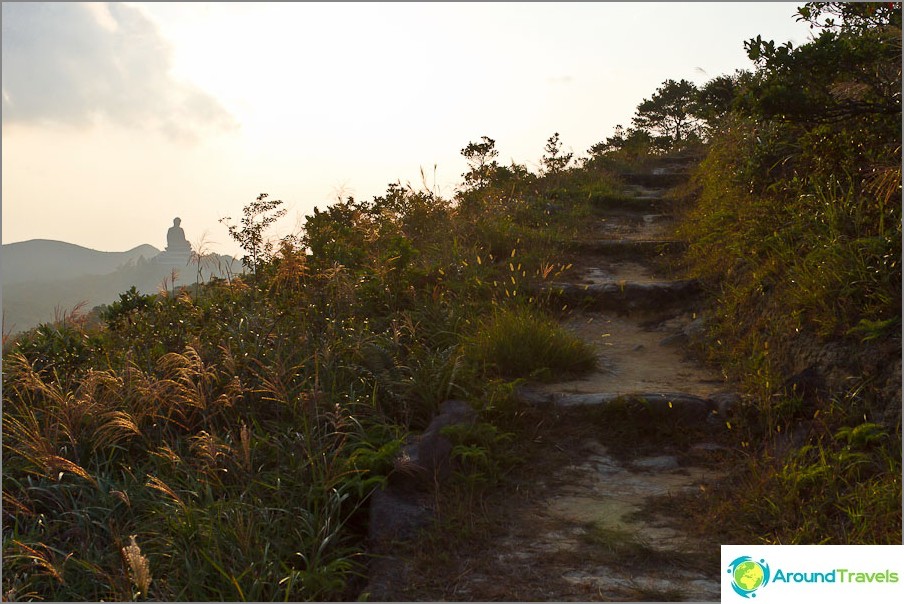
[[633, 141], [715, 99], [554, 161], [852, 69], [482, 162], [258, 215], [854, 16], [338, 234], [669, 113]]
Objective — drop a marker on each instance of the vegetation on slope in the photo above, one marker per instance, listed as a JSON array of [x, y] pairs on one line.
[[796, 226], [221, 443]]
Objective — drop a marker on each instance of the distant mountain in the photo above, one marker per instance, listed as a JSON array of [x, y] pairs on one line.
[[43, 279], [48, 260]]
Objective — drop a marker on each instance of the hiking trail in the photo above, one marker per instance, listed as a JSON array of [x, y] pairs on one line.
[[590, 516]]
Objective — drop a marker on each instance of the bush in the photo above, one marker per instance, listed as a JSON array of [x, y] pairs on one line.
[[517, 342]]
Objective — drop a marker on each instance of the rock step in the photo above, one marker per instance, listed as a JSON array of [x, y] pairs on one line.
[[630, 204], [626, 297], [683, 406], [631, 248], [655, 180]]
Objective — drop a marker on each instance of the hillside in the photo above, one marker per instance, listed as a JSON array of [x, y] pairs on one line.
[[49, 260], [44, 279]]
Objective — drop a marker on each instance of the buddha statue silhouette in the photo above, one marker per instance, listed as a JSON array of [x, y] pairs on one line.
[[175, 238]]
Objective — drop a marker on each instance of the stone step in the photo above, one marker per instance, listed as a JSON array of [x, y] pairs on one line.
[[630, 248], [626, 297], [655, 180], [631, 205], [684, 406]]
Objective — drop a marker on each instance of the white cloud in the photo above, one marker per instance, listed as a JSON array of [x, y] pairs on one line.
[[77, 64]]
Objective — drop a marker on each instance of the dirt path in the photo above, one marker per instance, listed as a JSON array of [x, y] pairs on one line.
[[592, 515]]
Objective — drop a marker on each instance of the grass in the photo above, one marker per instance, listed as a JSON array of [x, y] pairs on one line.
[[222, 442], [799, 267], [836, 489], [517, 342], [180, 472]]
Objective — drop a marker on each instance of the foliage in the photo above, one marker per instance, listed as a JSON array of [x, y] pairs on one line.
[[123, 310], [853, 16], [850, 70], [716, 100], [554, 161], [481, 159], [840, 490], [515, 342], [258, 215], [669, 114], [222, 442], [797, 230], [480, 451], [796, 193]]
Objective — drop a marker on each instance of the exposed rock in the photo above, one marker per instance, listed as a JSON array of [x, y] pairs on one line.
[[696, 328], [386, 573], [870, 371], [401, 509], [685, 407], [724, 402], [661, 463], [394, 517], [546, 547], [629, 248], [708, 448], [663, 180], [651, 218], [677, 340], [687, 334], [808, 384], [428, 458], [627, 297]]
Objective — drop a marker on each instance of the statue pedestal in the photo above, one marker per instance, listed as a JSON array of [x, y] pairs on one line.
[[175, 258]]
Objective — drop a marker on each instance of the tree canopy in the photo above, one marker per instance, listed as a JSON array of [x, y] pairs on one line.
[[669, 113]]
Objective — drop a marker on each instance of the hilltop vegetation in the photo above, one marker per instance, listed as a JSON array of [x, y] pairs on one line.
[[237, 430], [796, 225], [222, 442]]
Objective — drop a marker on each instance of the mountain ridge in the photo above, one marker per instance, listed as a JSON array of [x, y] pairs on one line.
[[43, 279], [51, 259]]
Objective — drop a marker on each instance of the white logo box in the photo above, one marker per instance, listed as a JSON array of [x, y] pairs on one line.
[[807, 573]]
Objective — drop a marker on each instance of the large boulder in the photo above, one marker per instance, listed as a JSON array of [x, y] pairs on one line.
[[403, 507]]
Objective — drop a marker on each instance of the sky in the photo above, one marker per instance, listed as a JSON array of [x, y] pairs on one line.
[[118, 117]]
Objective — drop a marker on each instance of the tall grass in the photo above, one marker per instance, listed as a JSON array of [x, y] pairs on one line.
[[802, 256], [516, 342], [221, 443], [224, 504], [841, 488]]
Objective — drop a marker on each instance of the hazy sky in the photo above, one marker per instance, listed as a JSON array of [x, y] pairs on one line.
[[117, 117]]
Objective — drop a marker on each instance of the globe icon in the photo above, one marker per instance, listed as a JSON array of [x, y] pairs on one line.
[[748, 575]]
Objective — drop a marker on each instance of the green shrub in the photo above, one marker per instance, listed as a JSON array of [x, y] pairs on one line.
[[517, 341]]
